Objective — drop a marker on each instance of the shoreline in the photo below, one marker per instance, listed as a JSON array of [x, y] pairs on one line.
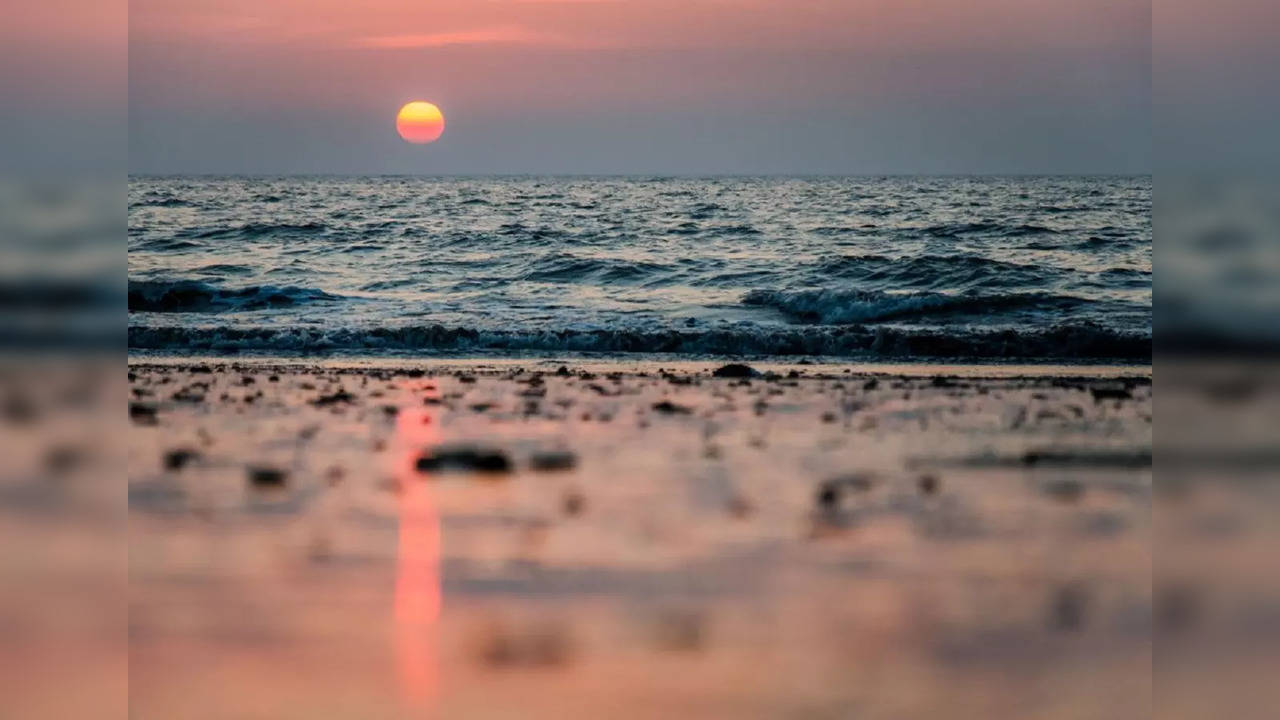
[[817, 367]]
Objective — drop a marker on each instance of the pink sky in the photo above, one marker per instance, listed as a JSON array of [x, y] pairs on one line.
[[711, 78]]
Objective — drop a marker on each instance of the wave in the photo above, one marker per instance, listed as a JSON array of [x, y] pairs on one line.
[[952, 230], [847, 307], [964, 272], [1062, 342], [163, 296], [571, 268], [258, 229], [162, 202]]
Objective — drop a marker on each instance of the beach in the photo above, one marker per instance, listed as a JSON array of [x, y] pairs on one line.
[[367, 538]]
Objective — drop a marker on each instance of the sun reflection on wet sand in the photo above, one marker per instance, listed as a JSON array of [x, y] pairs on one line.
[[417, 592]]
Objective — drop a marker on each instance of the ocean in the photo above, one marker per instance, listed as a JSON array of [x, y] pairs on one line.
[[963, 269]]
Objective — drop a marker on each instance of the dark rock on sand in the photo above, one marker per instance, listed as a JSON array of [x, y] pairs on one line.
[[464, 458], [531, 647], [667, 407], [1064, 489], [1110, 393], [929, 484], [266, 477], [574, 503], [551, 460], [142, 413], [1176, 607], [736, 370], [828, 497], [1067, 607], [179, 458], [20, 410], [341, 396]]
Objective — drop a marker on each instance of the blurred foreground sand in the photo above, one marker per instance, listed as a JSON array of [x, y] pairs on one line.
[[537, 540]]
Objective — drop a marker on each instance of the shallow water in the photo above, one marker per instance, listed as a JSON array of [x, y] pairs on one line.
[[954, 268]]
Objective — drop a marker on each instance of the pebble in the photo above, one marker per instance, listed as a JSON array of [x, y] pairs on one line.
[[464, 458], [551, 460], [574, 503], [1064, 489], [266, 477], [179, 458], [828, 497], [142, 413], [1067, 607], [669, 408], [341, 396], [1110, 393]]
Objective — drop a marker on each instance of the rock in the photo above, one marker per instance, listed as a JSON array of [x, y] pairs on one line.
[[856, 481], [266, 477], [464, 458], [740, 507], [828, 497], [574, 502], [341, 396], [545, 645], [563, 371], [179, 458], [1110, 393], [736, 370], [929, 484], [62, 459], [667, 407], [1064, 489], [552, 460], [142, 413], [682, 631], [1067, 607]]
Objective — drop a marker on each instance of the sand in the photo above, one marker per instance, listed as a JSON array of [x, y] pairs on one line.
[[545, 539]]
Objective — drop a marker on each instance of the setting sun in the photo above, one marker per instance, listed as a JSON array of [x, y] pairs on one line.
[[420, 122]]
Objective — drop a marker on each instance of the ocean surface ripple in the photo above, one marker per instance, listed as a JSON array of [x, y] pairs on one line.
[[1028, 268]]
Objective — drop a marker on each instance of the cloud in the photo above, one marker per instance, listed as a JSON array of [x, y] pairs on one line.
[[509, 35]]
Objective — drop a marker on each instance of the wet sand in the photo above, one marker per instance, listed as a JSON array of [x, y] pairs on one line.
[[539, 539]]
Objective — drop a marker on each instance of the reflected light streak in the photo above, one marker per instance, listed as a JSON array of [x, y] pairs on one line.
[[417, 590]]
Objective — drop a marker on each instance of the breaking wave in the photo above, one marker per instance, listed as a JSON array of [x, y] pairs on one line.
[[1063, 342], [193, 296], [846, 307]]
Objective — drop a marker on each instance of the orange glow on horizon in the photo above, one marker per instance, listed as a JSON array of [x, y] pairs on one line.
[[420, 122]]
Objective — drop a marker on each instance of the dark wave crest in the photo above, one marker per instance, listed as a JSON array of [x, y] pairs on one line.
[[193, 296], [1063, 342], [847, 307]]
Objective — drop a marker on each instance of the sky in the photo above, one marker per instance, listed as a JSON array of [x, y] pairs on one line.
[[679, 87]]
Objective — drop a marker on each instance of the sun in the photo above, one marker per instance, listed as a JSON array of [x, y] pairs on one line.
[[420, 122]]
